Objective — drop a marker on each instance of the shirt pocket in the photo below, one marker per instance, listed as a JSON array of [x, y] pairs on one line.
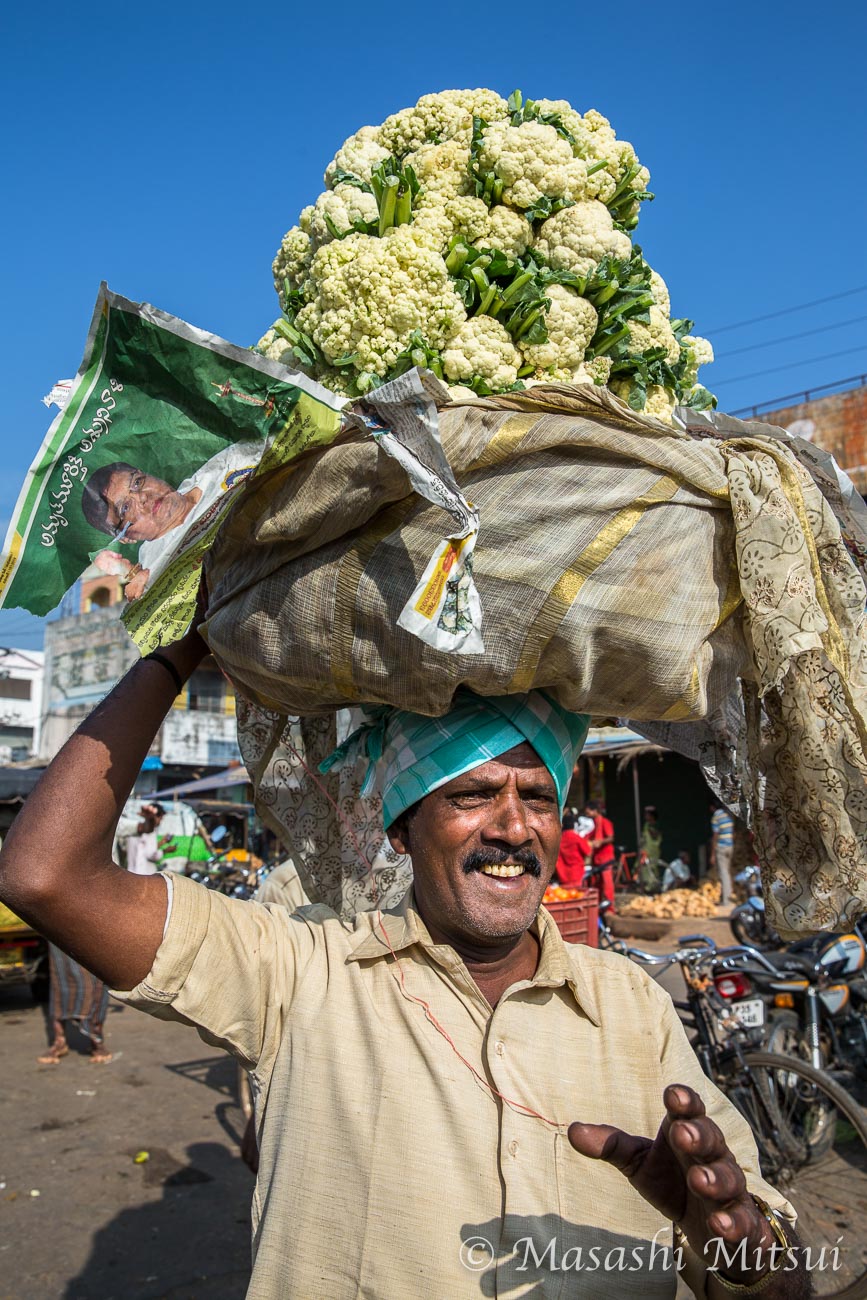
[[607, 1234]]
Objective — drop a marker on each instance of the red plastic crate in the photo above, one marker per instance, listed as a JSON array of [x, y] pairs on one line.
[[578, 918]]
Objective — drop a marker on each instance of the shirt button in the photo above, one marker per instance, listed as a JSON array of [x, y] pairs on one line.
[[513, 1148], [500, 1048]]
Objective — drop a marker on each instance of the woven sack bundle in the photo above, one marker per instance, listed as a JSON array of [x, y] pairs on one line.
[[692, 580]]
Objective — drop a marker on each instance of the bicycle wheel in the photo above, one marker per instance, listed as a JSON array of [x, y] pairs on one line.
[[812, 1142]]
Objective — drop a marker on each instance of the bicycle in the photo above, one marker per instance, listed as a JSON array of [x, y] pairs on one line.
[[627, 870], [810, 1133]]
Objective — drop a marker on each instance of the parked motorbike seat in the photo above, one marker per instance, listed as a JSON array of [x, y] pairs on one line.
[[793, 962]]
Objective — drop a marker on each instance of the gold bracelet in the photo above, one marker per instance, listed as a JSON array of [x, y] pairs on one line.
[[753, 1288]]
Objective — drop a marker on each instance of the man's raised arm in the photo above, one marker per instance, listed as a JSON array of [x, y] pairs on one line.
[[56, 868]]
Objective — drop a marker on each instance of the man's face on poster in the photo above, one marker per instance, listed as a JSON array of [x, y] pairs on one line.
[[145, 506]]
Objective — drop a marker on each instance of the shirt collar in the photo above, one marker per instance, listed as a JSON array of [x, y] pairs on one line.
[[401, 923], [404, 927]]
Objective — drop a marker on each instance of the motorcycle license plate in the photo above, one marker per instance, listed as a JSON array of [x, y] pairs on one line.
[[751, 1014]]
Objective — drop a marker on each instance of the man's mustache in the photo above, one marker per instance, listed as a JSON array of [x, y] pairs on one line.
[[479, 858]]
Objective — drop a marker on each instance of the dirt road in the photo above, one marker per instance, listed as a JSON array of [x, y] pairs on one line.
[[103, 1227]]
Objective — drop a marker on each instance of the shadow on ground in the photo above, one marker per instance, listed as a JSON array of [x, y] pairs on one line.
[[207, 1194]]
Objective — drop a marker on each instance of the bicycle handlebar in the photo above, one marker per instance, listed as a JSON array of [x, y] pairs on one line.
[[649, 958], [745, 950], [682, 954]]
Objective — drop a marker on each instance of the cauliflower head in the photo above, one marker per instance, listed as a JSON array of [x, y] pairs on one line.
[[657, 334], [434, 118], [293, 260], [358, 155], [596, 143], [338, 210], [597, 372], [534, 162], [443, 171], [447, 115], [659, 403], [698, 353], [578, 238], [661, 296], [508, 230], [482, 347], [274, 348], [486, 104], [571, 322], [372, 293]]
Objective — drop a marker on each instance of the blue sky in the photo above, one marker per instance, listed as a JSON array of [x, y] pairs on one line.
[[166, 148]]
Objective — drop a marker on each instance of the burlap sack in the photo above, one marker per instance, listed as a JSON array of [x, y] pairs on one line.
[[674, 578]]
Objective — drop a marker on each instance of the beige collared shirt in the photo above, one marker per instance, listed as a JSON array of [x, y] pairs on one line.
[[389, 1170]]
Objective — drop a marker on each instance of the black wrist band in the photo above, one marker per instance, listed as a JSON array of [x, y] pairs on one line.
[[169, 667]]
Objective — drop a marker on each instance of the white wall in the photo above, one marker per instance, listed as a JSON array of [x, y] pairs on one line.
[[21, 667]]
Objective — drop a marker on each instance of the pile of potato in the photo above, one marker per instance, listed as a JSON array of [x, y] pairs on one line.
[[675, 903]]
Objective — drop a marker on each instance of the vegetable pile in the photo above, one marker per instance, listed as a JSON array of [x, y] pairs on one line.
[[676, 903], [490, 241], [562, 894]]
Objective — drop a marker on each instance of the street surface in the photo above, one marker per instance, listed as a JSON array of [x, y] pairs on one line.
[[103, 1227]]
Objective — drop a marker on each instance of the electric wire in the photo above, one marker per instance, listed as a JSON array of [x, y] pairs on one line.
[[791, 365], [786, 311], [790, 338]]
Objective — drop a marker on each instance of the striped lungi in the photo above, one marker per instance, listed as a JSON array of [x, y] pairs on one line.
[[76, 994]]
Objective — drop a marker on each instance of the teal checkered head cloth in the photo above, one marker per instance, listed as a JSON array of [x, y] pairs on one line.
[[416, 754]]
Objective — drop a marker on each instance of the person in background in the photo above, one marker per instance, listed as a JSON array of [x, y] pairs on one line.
[[143, 848], [602, 843], [651, 849], [678, 874], [721, 848], [75, 995], [575, 851]]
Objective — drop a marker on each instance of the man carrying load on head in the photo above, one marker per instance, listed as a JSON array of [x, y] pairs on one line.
[[449, 1098]]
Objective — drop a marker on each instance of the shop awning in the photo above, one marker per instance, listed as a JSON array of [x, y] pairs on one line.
[[17, 782], [621, 741], [219, 781]]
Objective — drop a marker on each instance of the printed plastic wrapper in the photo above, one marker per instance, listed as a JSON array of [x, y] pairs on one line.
[[157, 438]]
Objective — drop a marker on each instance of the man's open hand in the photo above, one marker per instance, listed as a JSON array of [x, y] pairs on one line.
[[687, 1173]]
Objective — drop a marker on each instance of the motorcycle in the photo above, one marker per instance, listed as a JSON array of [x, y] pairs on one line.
[[810, 1000], [749, 922]]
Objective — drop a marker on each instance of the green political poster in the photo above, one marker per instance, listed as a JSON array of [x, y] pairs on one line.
[[164, 425]]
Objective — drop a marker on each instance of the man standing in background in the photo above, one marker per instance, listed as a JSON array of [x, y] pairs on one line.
[[651, 849], [602, 842], [575, 851], [721, 847], [143, 848]]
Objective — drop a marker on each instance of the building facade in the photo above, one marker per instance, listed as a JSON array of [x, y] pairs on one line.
[[86, 654], [836, 422], [21, 673]]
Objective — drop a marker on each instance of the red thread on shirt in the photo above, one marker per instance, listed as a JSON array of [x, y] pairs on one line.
[[398, 973]]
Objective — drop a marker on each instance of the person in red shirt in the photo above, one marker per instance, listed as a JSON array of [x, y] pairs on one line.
[[602, 843], [574, 854]]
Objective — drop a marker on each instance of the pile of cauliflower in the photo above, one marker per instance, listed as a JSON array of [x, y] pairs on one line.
[[490, 241]]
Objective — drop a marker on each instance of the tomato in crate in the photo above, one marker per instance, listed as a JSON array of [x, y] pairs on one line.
[[576, 913]]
